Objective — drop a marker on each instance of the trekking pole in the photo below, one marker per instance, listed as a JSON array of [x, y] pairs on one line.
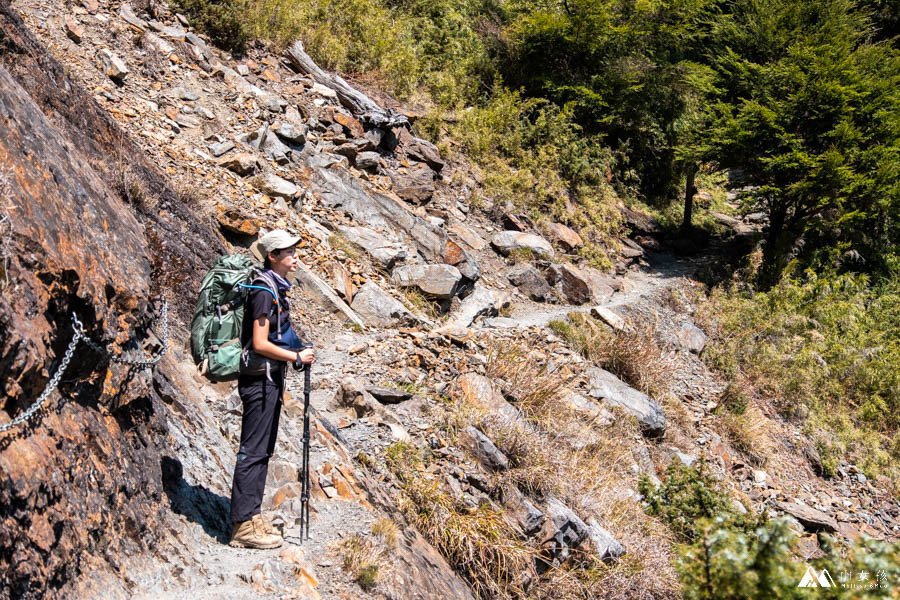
[[304, 476]]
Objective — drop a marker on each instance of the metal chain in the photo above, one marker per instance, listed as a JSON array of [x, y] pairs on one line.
[[139, 362], [79, 336], [54, 381]]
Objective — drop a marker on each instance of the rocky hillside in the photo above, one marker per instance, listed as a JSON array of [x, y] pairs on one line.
[[477, 431]]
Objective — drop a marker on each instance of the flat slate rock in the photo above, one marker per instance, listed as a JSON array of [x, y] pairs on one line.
[[388, 395], [811, 518], [605, 386]]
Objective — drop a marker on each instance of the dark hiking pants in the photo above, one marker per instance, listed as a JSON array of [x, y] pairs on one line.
[[261, 400]]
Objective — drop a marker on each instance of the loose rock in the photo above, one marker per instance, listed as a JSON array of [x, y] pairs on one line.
[[609, 388], [507, 241]]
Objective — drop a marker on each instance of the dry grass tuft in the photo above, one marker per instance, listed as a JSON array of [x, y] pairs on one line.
[[189, 195], [420, 303], [480, 543], [131, 188], [339, 242], [521, 255], [458, 413], [387, 530], [587, 466], [366, 558], [633, 355], [535, 389], [748, 432]]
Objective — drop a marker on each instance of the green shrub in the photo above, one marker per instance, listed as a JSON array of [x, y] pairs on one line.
[[224, 21], [686, 497], [827, 345], [731, 564], [725, 556]]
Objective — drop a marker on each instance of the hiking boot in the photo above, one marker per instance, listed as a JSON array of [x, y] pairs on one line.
[[253, 534], [269, 527]]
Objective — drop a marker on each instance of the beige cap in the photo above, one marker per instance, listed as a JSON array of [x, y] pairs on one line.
[[277, 239]]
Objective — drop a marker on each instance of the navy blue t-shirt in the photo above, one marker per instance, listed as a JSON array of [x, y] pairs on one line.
[[261, 303]]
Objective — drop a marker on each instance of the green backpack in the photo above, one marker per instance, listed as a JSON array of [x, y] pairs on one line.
[[218, 317]]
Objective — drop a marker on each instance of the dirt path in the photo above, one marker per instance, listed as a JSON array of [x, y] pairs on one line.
[[662, 272]]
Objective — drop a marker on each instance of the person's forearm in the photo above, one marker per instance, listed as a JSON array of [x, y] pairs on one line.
[[270, 350]]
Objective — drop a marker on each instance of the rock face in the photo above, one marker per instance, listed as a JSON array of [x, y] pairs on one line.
[[77, 247], [612, 390], [338, 189]]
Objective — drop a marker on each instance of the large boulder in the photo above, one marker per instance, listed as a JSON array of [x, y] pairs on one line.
[[566, 237], [276, 186], [379, 308], [437, 281], [570, 532], [602, 542], [505, 242], [582, 285], [529, 518], [242, 163], [482, 301], [812, 519], [420, 150], [691, 338], [610, 317], [607, 387], [530, 282], [382, 250], [415, 184]]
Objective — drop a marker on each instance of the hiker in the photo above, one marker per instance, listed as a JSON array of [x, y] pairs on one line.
[[269, 343]]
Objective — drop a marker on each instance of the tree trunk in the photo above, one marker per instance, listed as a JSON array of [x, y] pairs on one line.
[[689, 191], [773, 250], [355, 101]]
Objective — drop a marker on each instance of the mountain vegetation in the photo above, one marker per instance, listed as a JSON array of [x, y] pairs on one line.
[[573, 107]]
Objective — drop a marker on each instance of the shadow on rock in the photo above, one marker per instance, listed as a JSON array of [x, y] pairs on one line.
[[206, 508]]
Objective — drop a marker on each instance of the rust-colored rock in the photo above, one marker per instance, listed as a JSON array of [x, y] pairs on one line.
[[82, 483], [237, 222], [350, 124], [566, 237]]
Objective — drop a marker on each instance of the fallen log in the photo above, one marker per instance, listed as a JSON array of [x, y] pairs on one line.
[[362, 107]]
